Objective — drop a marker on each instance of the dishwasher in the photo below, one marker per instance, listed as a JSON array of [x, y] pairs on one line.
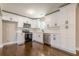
[[46, 38]]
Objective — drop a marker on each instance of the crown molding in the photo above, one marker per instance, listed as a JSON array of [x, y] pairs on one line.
[[19, 15], [52, 12]]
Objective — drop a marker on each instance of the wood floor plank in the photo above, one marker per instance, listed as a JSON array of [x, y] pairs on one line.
[[31, 49]]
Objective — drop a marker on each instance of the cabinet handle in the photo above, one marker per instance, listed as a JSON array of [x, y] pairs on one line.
[[39, 35], [54, 38]]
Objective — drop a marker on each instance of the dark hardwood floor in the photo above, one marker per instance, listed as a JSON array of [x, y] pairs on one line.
[[31, 49]]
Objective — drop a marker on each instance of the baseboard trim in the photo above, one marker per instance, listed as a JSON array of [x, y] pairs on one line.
[[37, 42], [19, 43], [71, 54], [47, 44], [1, 46], [9, 43]]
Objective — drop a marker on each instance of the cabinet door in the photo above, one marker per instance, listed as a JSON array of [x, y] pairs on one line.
[[55, 40], [20, 38], [63, 17], [34, 37], [38, 37], [34, 24]]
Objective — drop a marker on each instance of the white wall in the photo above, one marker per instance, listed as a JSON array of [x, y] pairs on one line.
[[77, 28], [0, 31]]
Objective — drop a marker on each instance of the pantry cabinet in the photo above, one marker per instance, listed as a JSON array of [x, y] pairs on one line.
[[68, 18]]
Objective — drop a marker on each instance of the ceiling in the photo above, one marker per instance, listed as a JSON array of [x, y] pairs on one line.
[[33, 10]]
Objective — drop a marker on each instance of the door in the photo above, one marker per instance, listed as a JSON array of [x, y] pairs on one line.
[[9, 31]]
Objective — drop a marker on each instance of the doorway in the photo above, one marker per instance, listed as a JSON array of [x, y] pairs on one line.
[[9, 29]]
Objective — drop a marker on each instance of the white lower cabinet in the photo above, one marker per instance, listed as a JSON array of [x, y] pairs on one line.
[[67, 41], [38, 37], [20, 38], [55, 40], [63, 41]]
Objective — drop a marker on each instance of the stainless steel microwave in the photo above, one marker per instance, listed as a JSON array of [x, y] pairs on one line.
[[25, 25]]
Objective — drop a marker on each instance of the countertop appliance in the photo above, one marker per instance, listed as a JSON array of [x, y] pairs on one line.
[[26, 25]]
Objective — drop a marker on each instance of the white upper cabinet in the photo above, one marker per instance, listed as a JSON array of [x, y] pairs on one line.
[[34, 24], [55, 19], [49, 20]]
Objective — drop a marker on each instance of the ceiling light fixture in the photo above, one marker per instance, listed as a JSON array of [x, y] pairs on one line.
[[30, 11]]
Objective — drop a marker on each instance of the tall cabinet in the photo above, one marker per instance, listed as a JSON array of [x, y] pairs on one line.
[[66, 37], [68, 19]]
